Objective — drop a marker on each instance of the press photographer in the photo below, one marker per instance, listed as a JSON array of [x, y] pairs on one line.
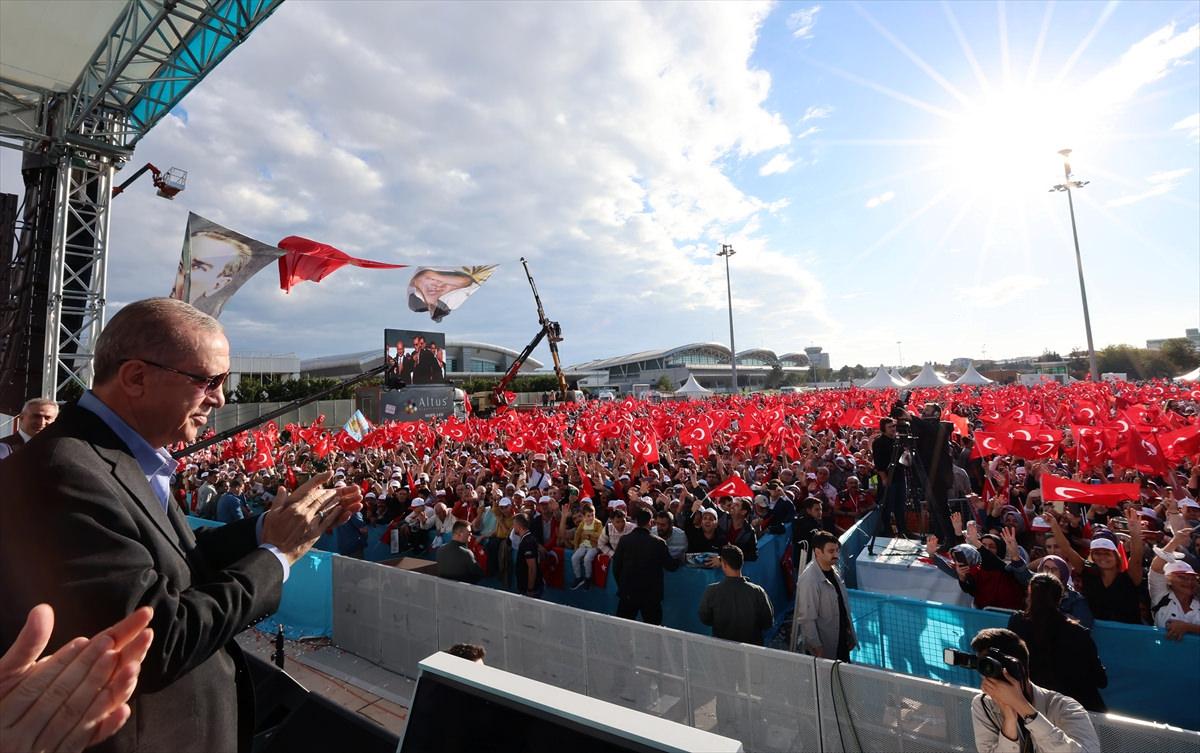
[[1012, 715]]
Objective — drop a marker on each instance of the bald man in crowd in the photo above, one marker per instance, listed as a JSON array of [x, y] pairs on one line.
[[35, 415], [89, 528]]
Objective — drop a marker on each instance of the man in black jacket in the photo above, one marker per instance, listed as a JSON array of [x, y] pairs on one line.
[[638, 565], [36, 414], [454, 560], [735, 608], [90, 529]]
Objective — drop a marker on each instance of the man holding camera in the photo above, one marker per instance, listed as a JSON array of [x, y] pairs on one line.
[[1012, 715]]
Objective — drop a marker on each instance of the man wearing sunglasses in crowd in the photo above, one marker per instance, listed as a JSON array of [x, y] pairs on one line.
[[90, 529]]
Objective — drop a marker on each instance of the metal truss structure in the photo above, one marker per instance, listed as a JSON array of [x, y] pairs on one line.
[[52, 286]]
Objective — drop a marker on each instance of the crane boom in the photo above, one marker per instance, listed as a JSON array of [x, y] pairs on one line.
[[549, 330]]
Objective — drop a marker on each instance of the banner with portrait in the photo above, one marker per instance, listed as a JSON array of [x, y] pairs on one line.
[[413, 358], [440, 290], [216, 262]]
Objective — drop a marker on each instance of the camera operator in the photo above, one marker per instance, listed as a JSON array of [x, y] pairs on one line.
[[1012, 715], [932, 441], [892, 492]]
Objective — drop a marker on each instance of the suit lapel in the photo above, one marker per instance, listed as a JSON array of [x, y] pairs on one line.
[[127, 471]]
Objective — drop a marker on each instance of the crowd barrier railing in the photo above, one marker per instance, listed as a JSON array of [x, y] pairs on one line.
[[770, 700]]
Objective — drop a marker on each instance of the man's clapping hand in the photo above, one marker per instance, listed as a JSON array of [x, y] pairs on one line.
[[295, 521], [75, 697]]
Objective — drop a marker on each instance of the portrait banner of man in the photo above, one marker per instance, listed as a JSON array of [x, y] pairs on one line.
[[216, 262], [414, 358], [440, 290]]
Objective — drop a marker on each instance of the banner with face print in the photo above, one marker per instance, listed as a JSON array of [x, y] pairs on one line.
[[216, 262], [440, 290]]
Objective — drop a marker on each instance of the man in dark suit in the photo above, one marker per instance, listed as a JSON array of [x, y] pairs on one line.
[[638, 565], [89, 528], [35, 415]]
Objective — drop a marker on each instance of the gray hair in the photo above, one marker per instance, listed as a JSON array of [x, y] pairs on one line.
[[37, 402], [153, 328]]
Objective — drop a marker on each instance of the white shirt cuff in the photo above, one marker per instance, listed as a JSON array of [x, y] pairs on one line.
[[287, 569]]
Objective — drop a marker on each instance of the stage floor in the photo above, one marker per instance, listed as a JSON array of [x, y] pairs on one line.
[[896, 569]]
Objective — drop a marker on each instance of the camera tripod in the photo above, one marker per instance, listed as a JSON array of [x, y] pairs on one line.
[[911, 471]]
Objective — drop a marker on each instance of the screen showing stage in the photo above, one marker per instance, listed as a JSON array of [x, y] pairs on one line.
[[413, 358]]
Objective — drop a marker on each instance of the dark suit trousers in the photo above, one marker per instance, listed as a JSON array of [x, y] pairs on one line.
[[651, 610]]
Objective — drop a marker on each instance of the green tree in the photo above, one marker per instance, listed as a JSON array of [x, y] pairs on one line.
[[1181, 353], [774, 378], [665, 384]]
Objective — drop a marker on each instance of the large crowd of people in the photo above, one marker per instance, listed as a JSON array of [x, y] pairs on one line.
[[633, 489]]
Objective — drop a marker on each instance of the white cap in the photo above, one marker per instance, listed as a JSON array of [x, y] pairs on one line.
[[1104, 544], [1039, 524], [1189, 502], [1178, 568], [545, 498], [340, 472], [339, 485], [708, 511], [505, 502], [1148, 512], [393, 484], [418, 502], [370, 495]]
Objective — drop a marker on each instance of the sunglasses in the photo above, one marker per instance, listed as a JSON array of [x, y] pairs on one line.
[[210, 383]]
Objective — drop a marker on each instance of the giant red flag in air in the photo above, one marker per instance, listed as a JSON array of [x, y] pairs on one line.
[[309, 260]]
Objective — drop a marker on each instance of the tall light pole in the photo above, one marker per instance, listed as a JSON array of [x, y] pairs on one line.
[[1067, 184], [727, 251]]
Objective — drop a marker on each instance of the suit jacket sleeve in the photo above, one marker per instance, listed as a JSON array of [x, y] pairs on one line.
[[705, 612], [98, 570], [225, 545]]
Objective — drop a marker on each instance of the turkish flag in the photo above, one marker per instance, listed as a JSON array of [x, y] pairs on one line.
[[962, 427], [1181, 443], [1141, 452], [585, 485], [989, 443], [1058, 489], [309, 260], [643, 449], [733, 486]]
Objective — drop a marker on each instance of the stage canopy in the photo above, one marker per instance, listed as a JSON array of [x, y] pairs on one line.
[[929, 378], [973, 377], [881, 380]]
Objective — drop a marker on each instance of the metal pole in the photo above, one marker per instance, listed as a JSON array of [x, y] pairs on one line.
[[1087, 319], [727, 251], [1067, 184]]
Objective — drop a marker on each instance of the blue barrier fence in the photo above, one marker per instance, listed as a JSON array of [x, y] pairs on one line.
[[306, 609], [1149, 676]]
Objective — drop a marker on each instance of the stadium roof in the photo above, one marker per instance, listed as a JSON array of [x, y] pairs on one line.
[[649, 355], [365, 359]]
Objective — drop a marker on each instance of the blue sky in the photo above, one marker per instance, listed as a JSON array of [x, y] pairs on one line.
[[880, 175]]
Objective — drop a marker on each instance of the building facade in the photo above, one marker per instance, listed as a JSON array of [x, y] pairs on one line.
[[1191, 334], [464, 359], [710, 363]]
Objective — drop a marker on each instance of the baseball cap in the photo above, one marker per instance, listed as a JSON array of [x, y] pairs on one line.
[[1039, 525], [1178, 568], [544, 499], [418, 502], [709, 511], [1103, 543], [539, 456], [1189, 502], [393, 484]]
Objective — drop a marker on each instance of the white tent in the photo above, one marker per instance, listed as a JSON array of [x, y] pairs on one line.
[[971, 376], [1191, 376], [881, 380], [897, 378], [692, 390], [929, 378]]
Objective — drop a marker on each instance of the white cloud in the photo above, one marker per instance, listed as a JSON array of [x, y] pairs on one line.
[[807, 132], [780, 163], [816, 112], [1000, 292], [882, 198], [1143, 63], [1168, 176], [1161, 184], [649, 108], [801, 22], [1191, 124]]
